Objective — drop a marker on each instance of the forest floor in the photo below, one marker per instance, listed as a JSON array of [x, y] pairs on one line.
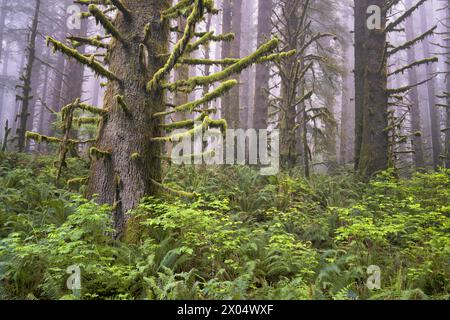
[[244, 237]]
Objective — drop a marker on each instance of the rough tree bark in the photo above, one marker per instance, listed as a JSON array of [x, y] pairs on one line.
[[372, 101], [26, 85], [123, 175]]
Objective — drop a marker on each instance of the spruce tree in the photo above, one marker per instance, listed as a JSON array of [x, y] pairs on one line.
[[127, 153]]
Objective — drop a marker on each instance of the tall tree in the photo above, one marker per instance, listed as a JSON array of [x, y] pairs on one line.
[[414, 97], [27, 77], [431, 94], [126, 158], [262, 76]]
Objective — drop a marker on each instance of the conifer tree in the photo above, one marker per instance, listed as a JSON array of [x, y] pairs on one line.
[[136, 62], [375, 127]]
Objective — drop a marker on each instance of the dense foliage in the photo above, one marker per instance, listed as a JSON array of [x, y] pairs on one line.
[[244, 237]]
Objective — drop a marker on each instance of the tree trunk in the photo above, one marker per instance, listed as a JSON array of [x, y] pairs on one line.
[[374, 140], [236, 53], [262, 76], [226, 52], [431, 95], [414, 97], [3, 13], [131, 160], [447, 90], [31, 49]]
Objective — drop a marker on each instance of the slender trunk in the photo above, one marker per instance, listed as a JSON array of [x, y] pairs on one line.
[[262, 76], [3, 114], [236, 53], [226, 52], [24, 112], [414, 97], [360, 31], [3, 13], [447, 91], [431, 95]]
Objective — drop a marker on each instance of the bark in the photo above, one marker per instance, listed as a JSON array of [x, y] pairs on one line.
[[348, 107], [374, 147], [431, 95], [262, 75], [414, 97], [26, 92], [226, 52], [234, 107], [120, 178], [360, 31]]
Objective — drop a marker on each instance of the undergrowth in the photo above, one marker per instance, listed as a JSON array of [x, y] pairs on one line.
[[245, 236]]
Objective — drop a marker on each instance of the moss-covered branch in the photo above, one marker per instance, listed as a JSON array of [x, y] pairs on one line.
[[121, 102], [93, 41], [180, 47], [98, 154], [414, 64], [207, 123], [407, 45], [178, 193], [190, 106], [403, 17], [190, 84], [97, 67], [101, 18], [122, 8], [39, 138]]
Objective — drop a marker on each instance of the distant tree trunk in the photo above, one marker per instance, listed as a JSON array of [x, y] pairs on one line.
[[373, 100], [74, 72], [447, 90], [57, 94], [3, 13], [2, 90], [226, 52], [26, 90], [42, 112], [360, 31], [431, 95], [17, 102], [262, 76], [246, 48], [414, 97], [236, 53], [182, 72], [348, 106]]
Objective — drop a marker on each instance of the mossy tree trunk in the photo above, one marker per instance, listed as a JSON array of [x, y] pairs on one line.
[[118, 177], [374, 148]]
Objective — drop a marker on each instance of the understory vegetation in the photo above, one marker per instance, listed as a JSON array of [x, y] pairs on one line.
[[244, 236]]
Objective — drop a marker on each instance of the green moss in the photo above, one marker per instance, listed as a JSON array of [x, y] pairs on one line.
[[101, 18], [213, 95], [190, 84], [39, 138], [97, 67], [98, 154]]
